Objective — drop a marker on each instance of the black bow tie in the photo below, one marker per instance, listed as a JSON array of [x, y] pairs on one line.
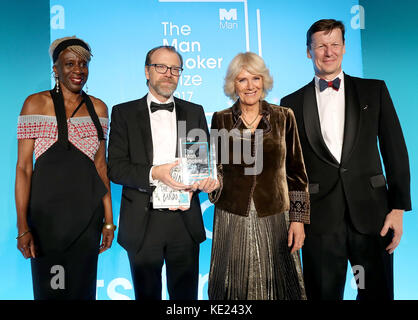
[[162, 106], [335, 84]]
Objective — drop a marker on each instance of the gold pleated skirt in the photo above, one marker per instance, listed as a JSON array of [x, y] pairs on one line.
[[250, 259]]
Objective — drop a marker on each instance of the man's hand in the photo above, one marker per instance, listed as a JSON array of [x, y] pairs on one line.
[[162, 173], [394, 221], [183, 208]]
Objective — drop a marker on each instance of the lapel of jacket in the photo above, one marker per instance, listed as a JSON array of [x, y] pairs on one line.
[[352, 117], [313, 127], [145, 126], [181, 115]]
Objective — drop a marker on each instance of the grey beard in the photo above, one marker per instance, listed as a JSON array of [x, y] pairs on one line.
[[164, 92]]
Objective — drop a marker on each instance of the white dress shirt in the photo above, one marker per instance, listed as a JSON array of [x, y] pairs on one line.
[[331, 110], [164, 133]]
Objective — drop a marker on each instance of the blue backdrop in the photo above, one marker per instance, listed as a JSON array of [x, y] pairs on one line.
[[208, 34], [390, 45]]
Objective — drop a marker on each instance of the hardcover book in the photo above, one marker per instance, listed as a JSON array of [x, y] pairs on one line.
[[165, 197]]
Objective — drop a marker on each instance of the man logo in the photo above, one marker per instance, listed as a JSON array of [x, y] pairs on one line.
[[225, 16]]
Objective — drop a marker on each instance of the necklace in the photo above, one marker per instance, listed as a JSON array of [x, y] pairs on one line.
[[249, 125]]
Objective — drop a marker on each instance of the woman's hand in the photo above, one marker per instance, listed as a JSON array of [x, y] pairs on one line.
[[26, 245], [296, 236], [208, 185], [107, 239]]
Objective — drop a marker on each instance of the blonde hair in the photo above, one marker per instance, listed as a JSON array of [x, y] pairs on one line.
[[254, 64], [78, 50]]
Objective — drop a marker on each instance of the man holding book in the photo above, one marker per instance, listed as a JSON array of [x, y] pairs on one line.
[[143, 146]]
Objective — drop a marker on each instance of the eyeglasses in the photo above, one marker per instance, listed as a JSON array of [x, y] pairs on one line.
[[162, 68]]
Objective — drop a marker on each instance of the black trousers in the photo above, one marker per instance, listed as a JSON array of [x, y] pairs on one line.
[[325, 260], [166, 240]]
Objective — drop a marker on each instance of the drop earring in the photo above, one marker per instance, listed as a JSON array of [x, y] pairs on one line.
[[57, 84], [87, 88]]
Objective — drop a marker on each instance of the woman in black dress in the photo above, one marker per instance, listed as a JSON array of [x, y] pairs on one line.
[[63, 203]]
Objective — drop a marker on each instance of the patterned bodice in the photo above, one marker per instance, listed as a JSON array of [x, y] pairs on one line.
[[81, 132]]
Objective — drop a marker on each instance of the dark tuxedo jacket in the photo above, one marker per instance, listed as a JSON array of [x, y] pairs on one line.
[[130, 158], [357, 183]]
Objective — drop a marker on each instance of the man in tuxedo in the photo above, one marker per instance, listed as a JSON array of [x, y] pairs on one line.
[[356, 212], [143, 145]]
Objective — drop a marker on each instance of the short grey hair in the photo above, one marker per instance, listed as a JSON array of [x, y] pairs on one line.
[[254, 64]]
